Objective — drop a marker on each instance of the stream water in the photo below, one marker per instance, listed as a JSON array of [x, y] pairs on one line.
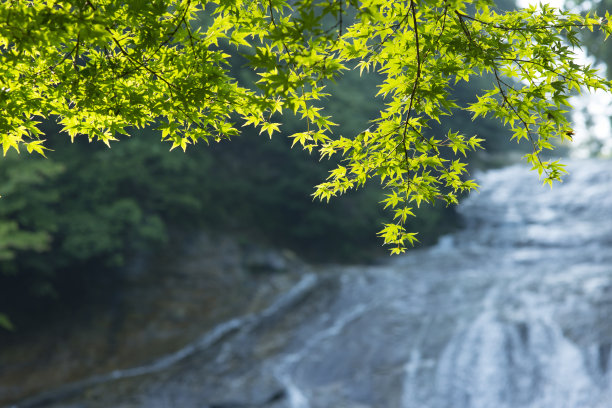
[[514, 311]]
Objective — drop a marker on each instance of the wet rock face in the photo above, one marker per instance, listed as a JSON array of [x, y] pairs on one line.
[[512, 312], [164, 303]]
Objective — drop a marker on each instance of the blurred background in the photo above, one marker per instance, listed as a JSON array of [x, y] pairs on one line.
[[91, 236]]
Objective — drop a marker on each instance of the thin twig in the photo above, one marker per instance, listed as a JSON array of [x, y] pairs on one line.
[[416, 81], [516, 113]]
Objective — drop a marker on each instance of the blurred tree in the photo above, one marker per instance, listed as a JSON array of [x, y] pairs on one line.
[[25, 220]]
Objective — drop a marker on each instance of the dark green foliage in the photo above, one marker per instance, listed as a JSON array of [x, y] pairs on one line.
[[25, 220]]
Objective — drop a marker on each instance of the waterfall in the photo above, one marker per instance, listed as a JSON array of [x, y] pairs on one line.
[[554, 253], [514, 311], [506, 364]]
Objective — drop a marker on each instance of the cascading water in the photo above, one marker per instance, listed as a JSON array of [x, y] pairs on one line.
[[542, 336], [514, 311]]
